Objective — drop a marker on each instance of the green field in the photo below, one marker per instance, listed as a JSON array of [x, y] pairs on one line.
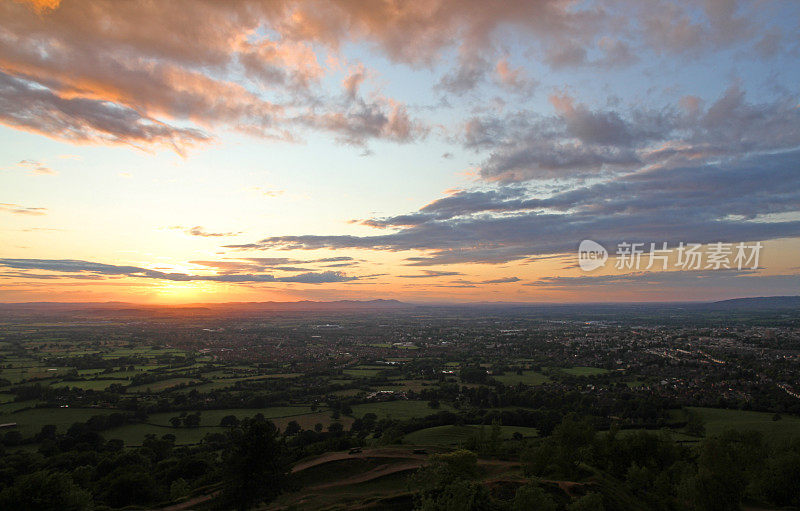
[[348, 392], [675, 435], [30, 422], [90, 384], [527, 377], [400, 409], [402, 385], [340, 382], [308, 421], [17, 374], [584, 371], [718, 420], [158, 424], [158, 386], [13, 406], [211, 418], [362, 373], [133, 434], [455, 435], [89, 372]]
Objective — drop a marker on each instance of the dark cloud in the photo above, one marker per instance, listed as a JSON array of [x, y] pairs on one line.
[[92, 268], [42, 276], [359, 121], [731, 281], [257, 264], [28, 106], [111, 74], [728, 202], [505, 280], [471, 283], [468, 73], [579, 141], [426, 274], [138, 72]]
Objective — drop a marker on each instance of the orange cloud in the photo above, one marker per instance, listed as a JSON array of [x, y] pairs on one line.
[[41, 6]]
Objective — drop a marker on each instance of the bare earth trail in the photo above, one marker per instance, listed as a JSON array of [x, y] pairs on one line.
[[414, 461], [371, 453], [189, 504]]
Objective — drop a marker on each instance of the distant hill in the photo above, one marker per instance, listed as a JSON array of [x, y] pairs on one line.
[[194, 309], [757, 303], [121, 310]]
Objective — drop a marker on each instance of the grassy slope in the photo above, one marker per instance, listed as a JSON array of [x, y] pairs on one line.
[[454, 435]]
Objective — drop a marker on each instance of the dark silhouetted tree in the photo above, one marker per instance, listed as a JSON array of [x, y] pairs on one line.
[[255, 468]]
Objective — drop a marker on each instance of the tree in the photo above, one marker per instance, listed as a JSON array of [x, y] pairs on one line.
[[694, 424], [723, 467], [192, 420], [255, 468], [129, 485], [446, 483], [589, 502], [178, 489], [531, 497], [229, 421], [779, 481], [292, 428], [48, 432], [443, 469], [12, 438], [176, 422], [473, 374], [495, 436], [459, 496], [43, 491]]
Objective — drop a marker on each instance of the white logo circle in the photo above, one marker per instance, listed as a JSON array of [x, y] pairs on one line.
[[591, 255]]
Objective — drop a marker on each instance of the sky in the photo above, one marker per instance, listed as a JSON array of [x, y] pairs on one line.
[[437, 151]]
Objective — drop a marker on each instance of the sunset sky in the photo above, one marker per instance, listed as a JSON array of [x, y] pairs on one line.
[[203, 151]]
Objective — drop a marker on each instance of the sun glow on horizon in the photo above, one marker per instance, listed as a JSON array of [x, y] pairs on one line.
[[170, 152]]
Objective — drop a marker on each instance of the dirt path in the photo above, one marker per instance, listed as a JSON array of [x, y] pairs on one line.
[[372, 453], [190, 503], [566, 486], [380, 471], [413, 461]]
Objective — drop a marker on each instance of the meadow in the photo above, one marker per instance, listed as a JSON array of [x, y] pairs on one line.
[[583, 371], [456, 435], [718, 420], [29, 422], [527, 377], [401, 409]]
